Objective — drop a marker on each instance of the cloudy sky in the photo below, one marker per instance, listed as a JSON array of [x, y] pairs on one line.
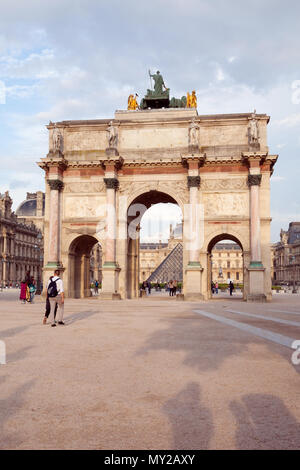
[[80, 59]]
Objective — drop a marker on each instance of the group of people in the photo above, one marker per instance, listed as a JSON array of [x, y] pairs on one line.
[[172, 287], [28, 289], [95, 286], [146, 286], [215, 287]]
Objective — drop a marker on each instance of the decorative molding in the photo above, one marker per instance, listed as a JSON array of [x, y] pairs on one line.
[[111, 183], [84, 187], [254, 180], [55, 184], [176, 189], [223, 184], [193, 181]]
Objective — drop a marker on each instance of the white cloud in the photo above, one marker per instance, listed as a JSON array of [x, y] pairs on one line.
[[275, 179]]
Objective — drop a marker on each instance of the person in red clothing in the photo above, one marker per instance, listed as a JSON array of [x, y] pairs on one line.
[[23, 291]]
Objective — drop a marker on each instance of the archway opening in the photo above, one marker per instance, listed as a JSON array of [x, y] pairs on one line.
[[155, 249], [85, 267], [225, 267]]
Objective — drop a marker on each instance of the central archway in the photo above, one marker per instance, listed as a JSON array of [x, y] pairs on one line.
[[79, 266], [137, 207]]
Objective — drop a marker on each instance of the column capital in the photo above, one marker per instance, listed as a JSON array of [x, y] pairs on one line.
[[111, 183], [55, 184], [190, 160], [193, 181], [254, 159], [114, 162], [254, 180]]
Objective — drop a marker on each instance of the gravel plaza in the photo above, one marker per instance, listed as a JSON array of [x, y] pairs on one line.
[[150, 374]]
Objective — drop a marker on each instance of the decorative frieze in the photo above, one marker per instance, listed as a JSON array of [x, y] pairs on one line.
[[223, 184], [254, 180], [84, 187]]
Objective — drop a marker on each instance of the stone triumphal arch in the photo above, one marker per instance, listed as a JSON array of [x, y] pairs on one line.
[[99, 173]]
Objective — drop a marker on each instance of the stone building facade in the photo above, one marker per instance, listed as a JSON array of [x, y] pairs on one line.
[[286, 257], [20, 246], [227, 263], [99, 172]]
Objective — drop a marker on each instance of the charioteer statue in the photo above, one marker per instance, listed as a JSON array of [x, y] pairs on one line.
[[159, 96]]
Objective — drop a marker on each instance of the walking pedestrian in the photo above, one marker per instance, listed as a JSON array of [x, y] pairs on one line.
[[55, 292], [174, 287], [216, 287], [47, 311], [23, 291], [32, 290], [231, 287]]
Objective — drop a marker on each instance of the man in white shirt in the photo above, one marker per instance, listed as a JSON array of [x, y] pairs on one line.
[[59, 299]]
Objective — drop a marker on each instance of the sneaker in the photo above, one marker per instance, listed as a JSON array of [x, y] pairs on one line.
[[53, 324], [61, 323]]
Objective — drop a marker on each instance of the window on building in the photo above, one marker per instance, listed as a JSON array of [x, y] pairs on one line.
[[228, 275], [237, 276]]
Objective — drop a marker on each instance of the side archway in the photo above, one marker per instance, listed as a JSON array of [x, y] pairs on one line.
[[210, 245], [79, 266]]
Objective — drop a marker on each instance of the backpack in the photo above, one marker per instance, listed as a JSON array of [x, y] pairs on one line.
[[52, 288]]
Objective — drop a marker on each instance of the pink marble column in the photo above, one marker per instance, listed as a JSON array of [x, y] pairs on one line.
[[193, 184], [254, 183], [54, 223], [111, 223]]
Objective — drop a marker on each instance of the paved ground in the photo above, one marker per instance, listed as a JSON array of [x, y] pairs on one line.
[[151, 375]]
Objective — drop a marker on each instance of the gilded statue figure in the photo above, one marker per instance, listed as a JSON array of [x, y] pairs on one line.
[[132, 102], [191, 100], [188, 100]]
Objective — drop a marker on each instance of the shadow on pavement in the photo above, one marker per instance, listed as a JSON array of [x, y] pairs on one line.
[[11, 406], [192, 425], [264, 422], [79, 316]]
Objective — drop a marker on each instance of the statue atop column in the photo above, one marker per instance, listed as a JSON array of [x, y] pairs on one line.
[[57, 140], [112, 135], [193, 136], [253, 135], [112, 139]]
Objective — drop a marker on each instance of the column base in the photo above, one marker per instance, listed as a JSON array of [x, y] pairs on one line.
[[193, 296], [256, 282], [179, 297], [192, 291], [256, 298], [110, 282], [109, 296]]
